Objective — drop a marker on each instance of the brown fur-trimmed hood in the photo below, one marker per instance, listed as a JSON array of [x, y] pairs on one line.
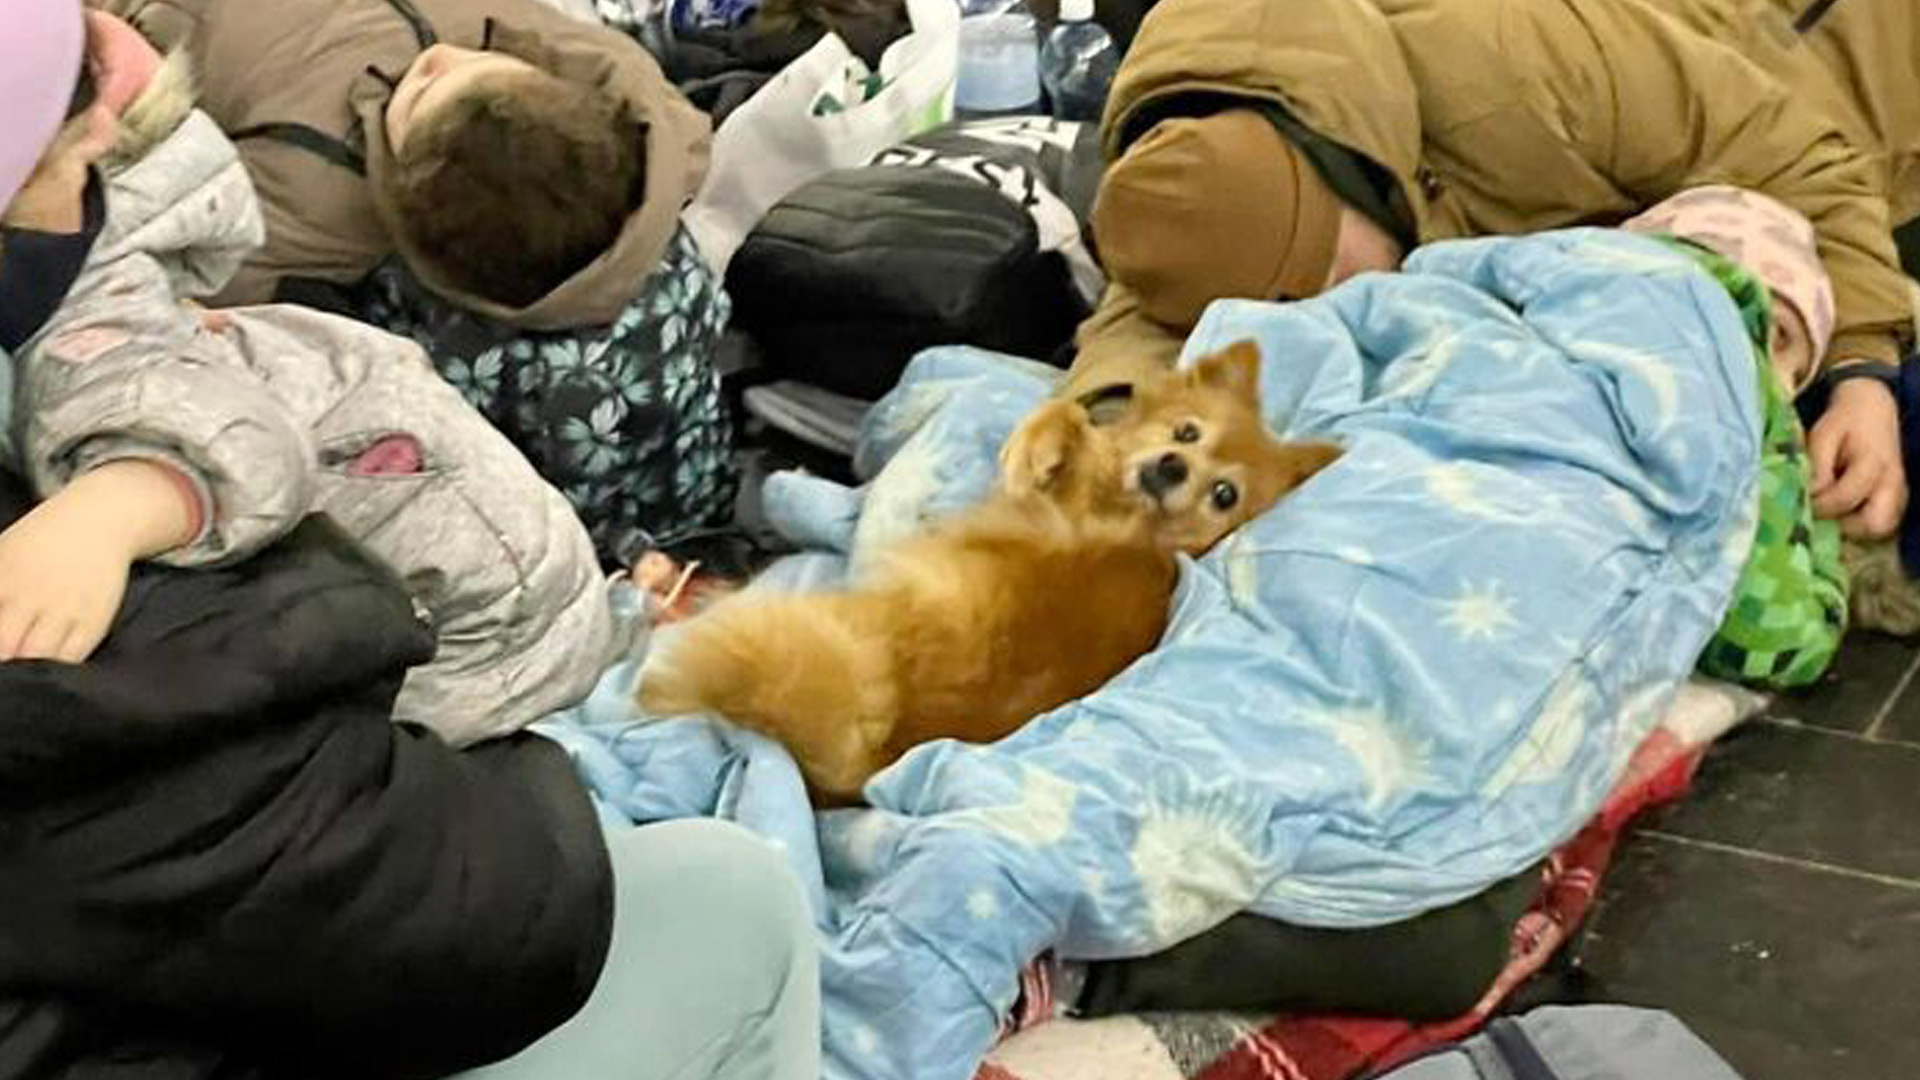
[[677, 138], [301, 85]]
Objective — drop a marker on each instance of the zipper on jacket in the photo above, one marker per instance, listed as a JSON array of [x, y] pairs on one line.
[[392, 84], [1430, 183], [1813, 14]]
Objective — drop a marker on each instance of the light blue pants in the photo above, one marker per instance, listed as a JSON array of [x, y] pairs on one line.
[[712, 973]]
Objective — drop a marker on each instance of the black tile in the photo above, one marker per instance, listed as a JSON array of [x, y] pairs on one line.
[[1902, 722], [1789, 972], [1863, 677], [1808, 794]]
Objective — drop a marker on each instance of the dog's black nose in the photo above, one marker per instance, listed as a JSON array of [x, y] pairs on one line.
[[1163, 474]]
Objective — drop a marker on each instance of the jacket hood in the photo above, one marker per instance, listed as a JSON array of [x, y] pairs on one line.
[[1334, 65], [176, 189], [678, 139], [155, 114]]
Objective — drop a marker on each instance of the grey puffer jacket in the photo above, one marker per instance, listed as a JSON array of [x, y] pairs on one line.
[[270, 412]]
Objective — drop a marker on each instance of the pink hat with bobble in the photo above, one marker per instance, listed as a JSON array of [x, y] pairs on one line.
[[1769, 238], [41, 46]]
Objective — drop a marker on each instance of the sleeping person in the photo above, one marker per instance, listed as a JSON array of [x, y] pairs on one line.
[[503, 184], [158, 431]]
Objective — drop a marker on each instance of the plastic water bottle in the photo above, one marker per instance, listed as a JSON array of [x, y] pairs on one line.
[[652, 22], [1078, 62], [999, 59]]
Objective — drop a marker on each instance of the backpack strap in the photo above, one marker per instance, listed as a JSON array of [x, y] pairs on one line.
[[312, 140]]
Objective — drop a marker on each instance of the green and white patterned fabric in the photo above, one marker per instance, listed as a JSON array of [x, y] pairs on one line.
[[1790, 607]]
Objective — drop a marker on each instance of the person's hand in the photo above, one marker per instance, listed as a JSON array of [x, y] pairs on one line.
[[64, 566], [1858, 477], [50, 202], [60, 585]]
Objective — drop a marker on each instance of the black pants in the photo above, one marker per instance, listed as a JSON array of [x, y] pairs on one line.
[[1435, 966]]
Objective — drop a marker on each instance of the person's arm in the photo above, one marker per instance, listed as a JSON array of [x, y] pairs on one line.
[[123, 371], [1659, 109], [63, 567], [1119, 344], [94, 391]]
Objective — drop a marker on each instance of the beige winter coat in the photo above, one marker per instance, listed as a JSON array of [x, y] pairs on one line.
[[1860, 62]]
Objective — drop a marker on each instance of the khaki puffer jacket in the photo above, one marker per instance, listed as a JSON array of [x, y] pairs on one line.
[[1504, 117]]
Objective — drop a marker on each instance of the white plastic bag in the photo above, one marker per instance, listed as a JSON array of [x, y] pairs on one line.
[[584, 10], [774, 143]]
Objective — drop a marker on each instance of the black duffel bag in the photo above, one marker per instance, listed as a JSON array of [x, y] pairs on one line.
[[971, 234]]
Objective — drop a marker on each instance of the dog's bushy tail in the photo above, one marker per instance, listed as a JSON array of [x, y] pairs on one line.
[[805, 670]]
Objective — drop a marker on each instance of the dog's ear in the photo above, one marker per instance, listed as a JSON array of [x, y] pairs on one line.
[[1235, 369], [1301, 460], [1036, 454]]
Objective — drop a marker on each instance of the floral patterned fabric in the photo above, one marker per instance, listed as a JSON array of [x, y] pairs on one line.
[[626, 420]]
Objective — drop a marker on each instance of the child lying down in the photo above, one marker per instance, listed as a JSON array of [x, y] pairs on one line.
[[1776, 244], [1790, 610], [158, 431]]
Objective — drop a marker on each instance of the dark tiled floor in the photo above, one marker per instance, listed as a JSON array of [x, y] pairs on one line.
[[1777, 910]]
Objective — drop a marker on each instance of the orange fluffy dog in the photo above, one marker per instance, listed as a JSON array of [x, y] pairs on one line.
[[1035, 597]]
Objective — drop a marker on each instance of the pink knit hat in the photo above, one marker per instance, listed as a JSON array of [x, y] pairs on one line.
[[41, 44], [1767, 237]]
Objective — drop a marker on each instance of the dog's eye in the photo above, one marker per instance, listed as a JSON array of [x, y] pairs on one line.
[[1225, 495], [1188, 432]]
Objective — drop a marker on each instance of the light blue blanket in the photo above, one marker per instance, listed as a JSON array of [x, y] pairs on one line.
[[1417, 675]]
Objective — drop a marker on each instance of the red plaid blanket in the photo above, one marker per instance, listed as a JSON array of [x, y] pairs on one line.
[[1211, 1046]]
